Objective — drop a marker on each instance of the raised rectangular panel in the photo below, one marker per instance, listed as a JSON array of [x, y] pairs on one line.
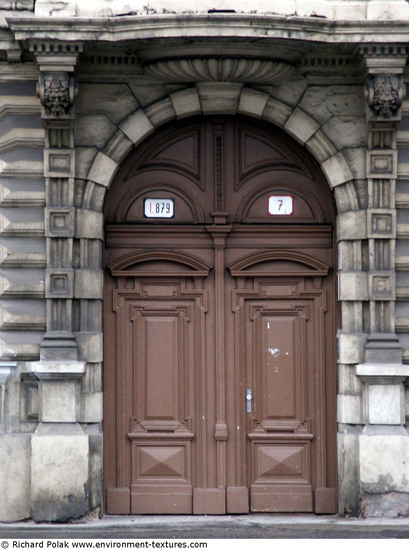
[[276, 335], [27, 283], [21, 222], [384, 404], [20, 344], [280, 477], [281, 461], [161, 477], [59, 163], [22, 252], [19, 314]]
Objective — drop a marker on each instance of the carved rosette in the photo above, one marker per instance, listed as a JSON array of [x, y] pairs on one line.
[[220, 69], [57, 93], [385, 94]]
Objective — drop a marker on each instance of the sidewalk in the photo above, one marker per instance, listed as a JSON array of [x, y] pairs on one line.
[[252, 526]]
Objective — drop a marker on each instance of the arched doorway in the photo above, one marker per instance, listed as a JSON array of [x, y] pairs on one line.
[[219, 334]]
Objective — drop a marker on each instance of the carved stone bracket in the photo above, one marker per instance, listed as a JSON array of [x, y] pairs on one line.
[[57, 93], [385, 93]]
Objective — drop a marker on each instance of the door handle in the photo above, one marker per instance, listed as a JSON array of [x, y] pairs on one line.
[[249, 398]]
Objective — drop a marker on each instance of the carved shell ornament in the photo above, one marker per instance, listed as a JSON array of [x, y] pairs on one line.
[[219, 69], [385, 94]]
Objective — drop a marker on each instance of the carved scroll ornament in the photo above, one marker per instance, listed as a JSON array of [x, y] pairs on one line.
[[56, 91], [385, 94]]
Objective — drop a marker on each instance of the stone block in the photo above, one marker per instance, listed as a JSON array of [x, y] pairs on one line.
[[348, 382], [95, 470], [21, 344], [89, 224], [21, 222], [320, 146], [84, 158], [349, 409], [290, 92], [346, 197], [389, 505], [89, 284], [137, 127], [59, 283], [186, 102], [90, 346], [161, 112], [385, 404], [252, 102], [115, 100], [22, 314], [276, 112], [352, 225], [351, 348], [15, 460], [301, 126], [91, 407], [220, 97], [57, 401], [93, 129], [337, 170], [59, 163], [382, 164], [348, 471], [59, 221], [381, 223], [118, 146], [382, 286], [384, 463], [59, 472], [102, 170], [353, 285], [324, 102], [346, 131]]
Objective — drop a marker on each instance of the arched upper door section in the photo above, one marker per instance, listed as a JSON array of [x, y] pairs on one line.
[[221, 164]]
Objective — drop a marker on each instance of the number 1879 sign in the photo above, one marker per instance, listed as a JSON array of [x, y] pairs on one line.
[[280, 206], [159, 208]]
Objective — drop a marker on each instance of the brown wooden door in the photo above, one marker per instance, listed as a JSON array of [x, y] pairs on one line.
[[219, 372]]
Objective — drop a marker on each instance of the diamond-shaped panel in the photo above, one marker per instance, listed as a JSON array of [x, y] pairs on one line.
[[162, 461], [281, 460]]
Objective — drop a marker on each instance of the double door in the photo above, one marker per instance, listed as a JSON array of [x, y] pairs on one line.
[[219, 358]]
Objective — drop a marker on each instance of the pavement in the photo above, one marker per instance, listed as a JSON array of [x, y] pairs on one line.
[[252, 526]]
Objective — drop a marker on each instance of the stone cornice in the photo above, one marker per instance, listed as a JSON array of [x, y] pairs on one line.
[[268, 27]]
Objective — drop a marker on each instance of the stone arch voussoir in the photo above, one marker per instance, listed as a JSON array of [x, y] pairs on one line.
[[215, 98]]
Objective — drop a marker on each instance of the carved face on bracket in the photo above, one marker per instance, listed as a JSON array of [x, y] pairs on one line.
[[57, 94], [386, 97]]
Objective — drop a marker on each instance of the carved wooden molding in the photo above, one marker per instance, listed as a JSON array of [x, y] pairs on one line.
[[196, 267], [220, 69], [315, 267]]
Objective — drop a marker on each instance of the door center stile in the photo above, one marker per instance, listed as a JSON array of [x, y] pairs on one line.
[[219, 234]]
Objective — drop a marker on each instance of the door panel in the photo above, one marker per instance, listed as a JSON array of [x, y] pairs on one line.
[[222, 300]]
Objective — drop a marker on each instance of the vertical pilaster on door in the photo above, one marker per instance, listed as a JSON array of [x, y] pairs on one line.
[[219, 233]]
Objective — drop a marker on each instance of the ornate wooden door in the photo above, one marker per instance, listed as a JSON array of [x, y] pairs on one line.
[[219, 369]]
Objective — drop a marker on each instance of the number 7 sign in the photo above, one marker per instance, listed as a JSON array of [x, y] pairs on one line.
[[280, 205]]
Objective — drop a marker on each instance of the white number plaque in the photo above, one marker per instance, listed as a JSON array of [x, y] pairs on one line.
[[159, 208], [280, 206]]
